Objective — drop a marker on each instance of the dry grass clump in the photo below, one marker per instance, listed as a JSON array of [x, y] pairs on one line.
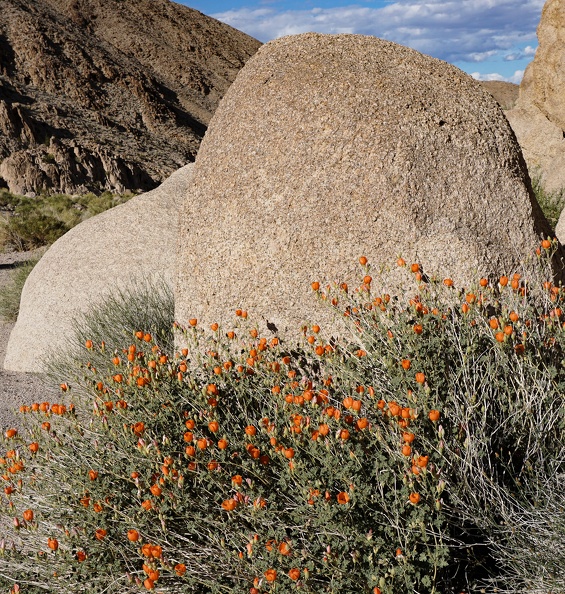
[[411, 456]]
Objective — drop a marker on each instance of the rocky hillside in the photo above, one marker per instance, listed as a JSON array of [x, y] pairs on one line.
[[505, 93], [108, 94]]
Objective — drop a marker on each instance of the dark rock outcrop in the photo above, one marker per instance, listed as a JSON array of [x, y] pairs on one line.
[[108, 94]]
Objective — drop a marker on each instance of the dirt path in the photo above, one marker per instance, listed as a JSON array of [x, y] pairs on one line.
[[17, 388]]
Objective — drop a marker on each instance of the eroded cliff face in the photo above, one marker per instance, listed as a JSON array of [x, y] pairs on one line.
[[108, 94]]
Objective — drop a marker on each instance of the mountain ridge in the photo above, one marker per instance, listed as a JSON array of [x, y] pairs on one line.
[[98, 94]]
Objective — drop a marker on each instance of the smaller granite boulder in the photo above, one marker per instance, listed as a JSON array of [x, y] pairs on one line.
[[131, 242], [538, 119]]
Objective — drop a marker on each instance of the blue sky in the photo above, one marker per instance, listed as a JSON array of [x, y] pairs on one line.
[[490, 39]]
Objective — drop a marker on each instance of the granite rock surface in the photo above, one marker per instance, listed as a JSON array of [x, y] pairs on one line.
[[327, 147]]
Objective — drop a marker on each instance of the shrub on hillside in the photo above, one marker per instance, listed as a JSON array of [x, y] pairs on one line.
[[39, 221], [11, 292], [383, 461], [551, 203]]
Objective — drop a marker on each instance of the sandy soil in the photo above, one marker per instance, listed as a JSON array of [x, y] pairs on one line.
[[17, 388]]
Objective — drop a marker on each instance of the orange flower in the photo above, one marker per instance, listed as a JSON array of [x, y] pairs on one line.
[[284, 548], [269, 545], [324, 429], [229, 504], [271, 575], [422, 461], [294, 573], [81, 556], [180, 569], [146, 550], [152, 574], [53, 543], [100, 533], [342, 498]]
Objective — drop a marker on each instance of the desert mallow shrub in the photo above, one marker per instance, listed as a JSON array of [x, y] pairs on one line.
[[393, 459]]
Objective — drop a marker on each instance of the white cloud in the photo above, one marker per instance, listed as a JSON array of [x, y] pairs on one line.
[[516, 78], [527, 52], [453, 30]]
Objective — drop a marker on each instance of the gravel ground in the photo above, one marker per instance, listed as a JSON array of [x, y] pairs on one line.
[[17, 388]]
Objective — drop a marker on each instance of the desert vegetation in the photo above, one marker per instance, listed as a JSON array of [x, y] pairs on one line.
[[10, 292], [552, 203], [420, 451], [27, 223]]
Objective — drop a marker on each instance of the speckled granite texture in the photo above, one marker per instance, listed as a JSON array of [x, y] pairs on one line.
[[130, 242], [327, 147]]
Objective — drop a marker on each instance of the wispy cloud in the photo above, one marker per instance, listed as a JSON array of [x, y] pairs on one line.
[[527, 52], [455, 31]]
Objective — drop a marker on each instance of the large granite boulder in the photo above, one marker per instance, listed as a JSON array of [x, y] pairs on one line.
[[538, 118], [327, 147], [115, 249]]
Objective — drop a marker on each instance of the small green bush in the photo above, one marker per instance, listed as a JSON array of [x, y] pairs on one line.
[[35, 222], [411, 455], [10, 294], [552, 203]]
